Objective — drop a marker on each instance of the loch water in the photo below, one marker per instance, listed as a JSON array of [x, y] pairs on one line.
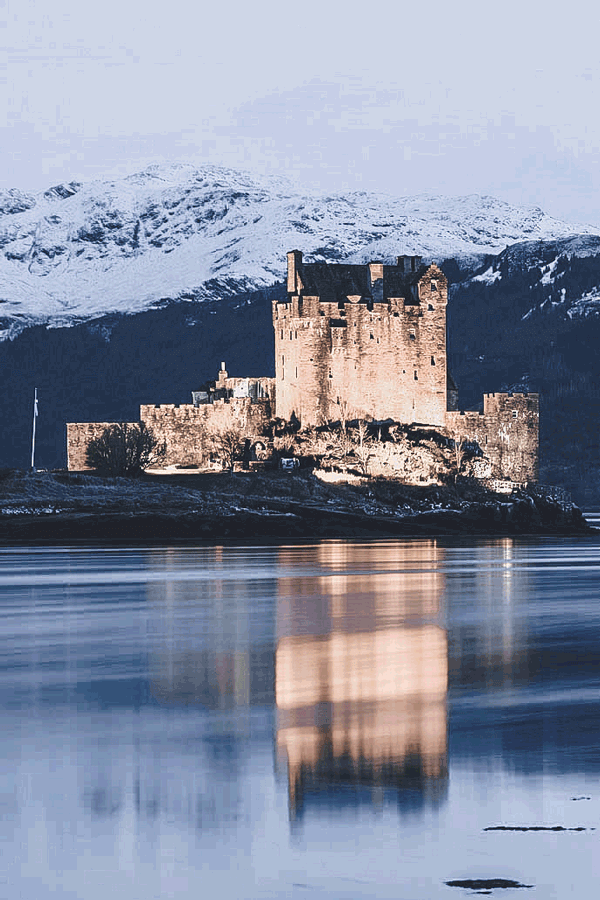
[[321, 720]]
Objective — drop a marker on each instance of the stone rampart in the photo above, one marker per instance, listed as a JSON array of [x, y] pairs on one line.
[[187, 430], [507, 432]]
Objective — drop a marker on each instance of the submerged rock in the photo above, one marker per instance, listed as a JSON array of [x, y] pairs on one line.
[[486, 884]]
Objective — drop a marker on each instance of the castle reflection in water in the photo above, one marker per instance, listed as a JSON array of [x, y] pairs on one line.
[[346, 643], [361, 676], [360, 667]]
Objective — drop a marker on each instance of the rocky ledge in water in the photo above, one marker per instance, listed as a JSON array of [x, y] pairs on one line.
[[65, 507]]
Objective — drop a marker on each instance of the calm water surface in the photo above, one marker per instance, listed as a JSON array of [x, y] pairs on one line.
[[337, 720]]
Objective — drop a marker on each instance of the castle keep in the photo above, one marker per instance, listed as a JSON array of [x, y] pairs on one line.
[[371, 338], [351, 342]]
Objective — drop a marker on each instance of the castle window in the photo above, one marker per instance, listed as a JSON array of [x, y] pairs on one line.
[[433, 360], [282, 334], [296, 335], [416, 376], [372, 338], [434, 285], [429, 306], [296, 371], [515, 413], [330, 375], [413, 336]]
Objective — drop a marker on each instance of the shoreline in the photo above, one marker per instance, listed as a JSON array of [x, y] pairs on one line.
[[152, 528], [59, 508]]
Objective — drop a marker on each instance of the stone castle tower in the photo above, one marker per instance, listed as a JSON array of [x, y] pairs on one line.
[[362, 340]]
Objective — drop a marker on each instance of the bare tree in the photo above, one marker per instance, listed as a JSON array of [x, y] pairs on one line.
[[362, 445], [340, 432], [228, 446], [125, 449], [345, 414]]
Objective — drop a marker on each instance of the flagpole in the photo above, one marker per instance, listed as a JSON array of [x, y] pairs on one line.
[[35, 415]]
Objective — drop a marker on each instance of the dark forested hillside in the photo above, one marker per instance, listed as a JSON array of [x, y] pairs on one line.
[[530, 320]]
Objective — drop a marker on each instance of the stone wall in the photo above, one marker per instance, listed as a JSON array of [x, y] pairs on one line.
[[385, 359], [187, 429], [507, 432], [79, 435]]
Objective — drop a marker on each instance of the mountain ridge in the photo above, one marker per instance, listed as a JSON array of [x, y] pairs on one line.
[[179, 233]]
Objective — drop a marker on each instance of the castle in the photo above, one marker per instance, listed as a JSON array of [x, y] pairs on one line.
[[351, 341]]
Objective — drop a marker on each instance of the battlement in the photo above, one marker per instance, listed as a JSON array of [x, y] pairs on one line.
[[513, 394], [462, 414], [515, 405], [189, 409]]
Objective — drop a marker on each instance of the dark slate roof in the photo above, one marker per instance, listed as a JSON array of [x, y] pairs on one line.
[[397, 283], [333, 283]]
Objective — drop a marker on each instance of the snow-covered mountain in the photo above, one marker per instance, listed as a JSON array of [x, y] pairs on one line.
[[557, 278], [177, 232]]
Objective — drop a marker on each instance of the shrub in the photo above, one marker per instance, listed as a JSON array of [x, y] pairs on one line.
[[124, 449]]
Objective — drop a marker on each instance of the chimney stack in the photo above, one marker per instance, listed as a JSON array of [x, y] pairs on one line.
[[408, 264], [376, 280], [294, 261]]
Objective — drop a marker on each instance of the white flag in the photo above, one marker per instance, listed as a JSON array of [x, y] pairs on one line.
[[35, 406]]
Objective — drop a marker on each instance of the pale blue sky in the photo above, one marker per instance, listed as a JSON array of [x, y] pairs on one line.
[[441, 97]]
